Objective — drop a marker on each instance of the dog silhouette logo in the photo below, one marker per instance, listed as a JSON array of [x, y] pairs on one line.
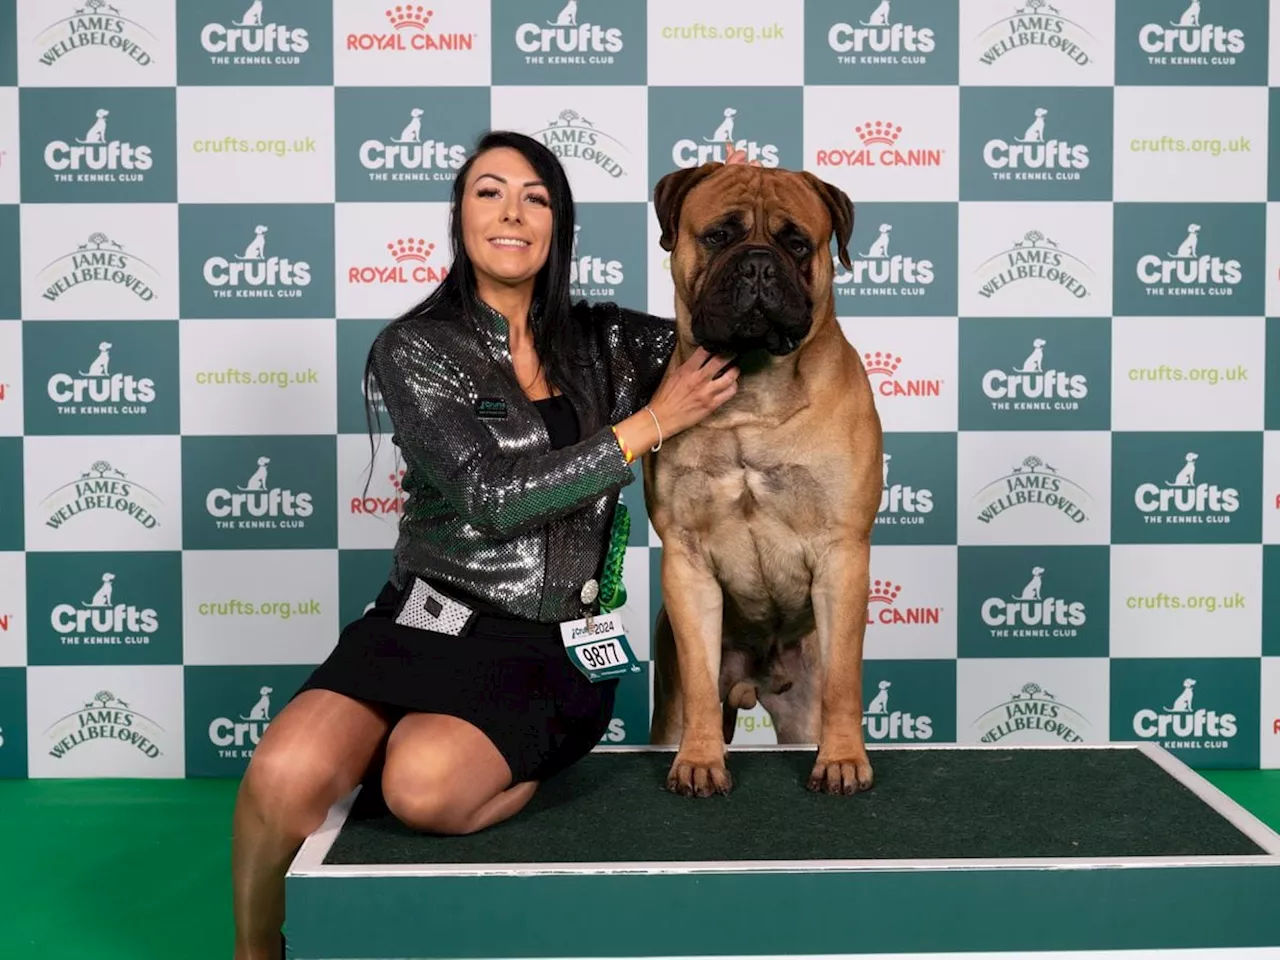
[[567, 17], [1187, 249], [98, 132], [1035, 132], [257, 247], [1187, 475], [103, 597], [252, 16], [412, 132], [1032, 590], [262, 709], [724, 132], [880, 249], [99, 366], [1183, 703], [1190, 17], [1035, 361], [258, 481], [884, 468], [879, 16], [880, 704]]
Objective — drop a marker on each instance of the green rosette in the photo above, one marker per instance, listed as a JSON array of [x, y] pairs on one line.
[[613, 592]]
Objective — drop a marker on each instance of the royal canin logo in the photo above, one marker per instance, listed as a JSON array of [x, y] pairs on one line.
[[883, 606], [409, 22], [880, 149], [410, 258], [885, 366], [372, 506]]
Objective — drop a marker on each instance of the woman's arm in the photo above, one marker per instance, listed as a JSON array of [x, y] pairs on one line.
[[430, 403]]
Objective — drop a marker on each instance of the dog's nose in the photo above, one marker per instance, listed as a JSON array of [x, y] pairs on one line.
[[758, 266]]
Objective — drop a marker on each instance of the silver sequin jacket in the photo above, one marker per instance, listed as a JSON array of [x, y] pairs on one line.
[[492, 510]]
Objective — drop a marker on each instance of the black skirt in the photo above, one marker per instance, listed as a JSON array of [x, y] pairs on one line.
[[510, 677]]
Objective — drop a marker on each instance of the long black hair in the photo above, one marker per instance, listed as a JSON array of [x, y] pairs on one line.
[[556, 339]]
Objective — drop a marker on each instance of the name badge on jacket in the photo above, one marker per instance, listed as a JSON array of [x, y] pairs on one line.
[[491, 408]]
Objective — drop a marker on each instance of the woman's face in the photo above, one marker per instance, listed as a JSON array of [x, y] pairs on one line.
[[506, 217]]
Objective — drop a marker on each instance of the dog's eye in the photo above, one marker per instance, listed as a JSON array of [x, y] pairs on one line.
[[798, 247], [715, 238]]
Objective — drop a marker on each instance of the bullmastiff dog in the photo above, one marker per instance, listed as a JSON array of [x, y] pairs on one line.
[[765, 508]]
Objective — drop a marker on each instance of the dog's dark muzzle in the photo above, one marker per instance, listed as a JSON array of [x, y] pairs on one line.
[[753, 300]]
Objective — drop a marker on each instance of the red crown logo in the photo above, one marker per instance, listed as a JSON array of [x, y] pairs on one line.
[[884, 591], [409, 16], [878, 362], [878, 131], [411, 249], [396, 481]]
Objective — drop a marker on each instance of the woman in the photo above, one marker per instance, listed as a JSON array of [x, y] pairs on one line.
[[517, 416]]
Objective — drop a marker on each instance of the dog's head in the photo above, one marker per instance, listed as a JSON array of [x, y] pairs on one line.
[[751, 253]]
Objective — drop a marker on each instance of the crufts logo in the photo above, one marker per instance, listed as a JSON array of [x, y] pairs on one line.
[[104, 620], [106, 717], [1032, 613], [1189, 272], [880, 39], [1184, 500], [254, 274], [592, 276], [257, 505], [1181, 726], [98, 390], [1027, 484], [406, 157], [722, 142], [101, 487], [237, 738], [885, 366], [881, 723], [409, 22], [585, 42], [95, 158], [571, 136], [1031, 710], [99, 260], [1190, 41], [879, 273], [410, 263], [883, 608], [901, 504], [1032, 387], [880, 149], [1032, 157], [255, 39]]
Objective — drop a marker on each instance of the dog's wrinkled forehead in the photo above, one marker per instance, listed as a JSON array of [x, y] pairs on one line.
[[760, 205]]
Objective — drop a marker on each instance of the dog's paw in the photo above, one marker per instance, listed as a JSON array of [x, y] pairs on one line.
[[695, 775], [845, 774]]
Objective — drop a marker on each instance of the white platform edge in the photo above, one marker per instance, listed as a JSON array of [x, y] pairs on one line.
[[309, 860]]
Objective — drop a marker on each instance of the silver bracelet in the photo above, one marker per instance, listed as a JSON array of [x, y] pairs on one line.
[[655, 449]]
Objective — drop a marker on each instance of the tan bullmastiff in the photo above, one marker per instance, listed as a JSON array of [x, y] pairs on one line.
[[765, 508]]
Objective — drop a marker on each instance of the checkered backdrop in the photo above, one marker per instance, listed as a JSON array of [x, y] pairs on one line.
[[1064, 259]]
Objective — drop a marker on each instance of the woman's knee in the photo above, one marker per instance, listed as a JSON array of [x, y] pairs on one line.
[[290, 790], [423, 800]]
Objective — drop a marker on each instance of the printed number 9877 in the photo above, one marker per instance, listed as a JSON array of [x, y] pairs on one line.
[[600, 655]]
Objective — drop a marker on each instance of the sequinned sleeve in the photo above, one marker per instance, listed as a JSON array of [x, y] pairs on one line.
[[642, 345], [430, 401]]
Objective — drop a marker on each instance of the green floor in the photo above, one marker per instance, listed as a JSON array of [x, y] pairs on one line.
[[140, 869]]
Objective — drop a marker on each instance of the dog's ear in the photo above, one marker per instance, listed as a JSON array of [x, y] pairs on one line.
[[669, 194], [841, 209]]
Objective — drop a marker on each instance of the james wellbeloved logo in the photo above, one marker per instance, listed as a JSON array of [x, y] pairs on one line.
[[1192, 42], [98, 145], [1033, 601], [909, 701], [609, 257], [1039, 27], [579, 41], [1189, 259], [579, 141], [87, 24], [1187, 488], [903, 256], [96, 263], [1037, 259], [105, 718], [406, 29], [1020, 374], [261, 42], [1046, 144], [1035, 484], [880, 41], [246, 492], [1032, 714], [101, 487], [256, 261], [404, 144], [1205, 712], [918, 489], [101, 378]]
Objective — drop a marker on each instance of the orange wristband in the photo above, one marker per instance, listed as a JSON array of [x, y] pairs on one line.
[[626, 451]]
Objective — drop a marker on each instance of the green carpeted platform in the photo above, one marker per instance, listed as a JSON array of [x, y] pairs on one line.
[[972, 848], [934, 804]]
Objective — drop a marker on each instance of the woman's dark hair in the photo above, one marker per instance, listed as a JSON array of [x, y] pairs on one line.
[[555, 338]]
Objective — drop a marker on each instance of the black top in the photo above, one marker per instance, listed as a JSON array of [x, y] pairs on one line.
[[561, 420]]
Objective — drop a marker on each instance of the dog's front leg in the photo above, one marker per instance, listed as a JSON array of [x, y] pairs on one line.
[[840, 613], [695, 608]]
